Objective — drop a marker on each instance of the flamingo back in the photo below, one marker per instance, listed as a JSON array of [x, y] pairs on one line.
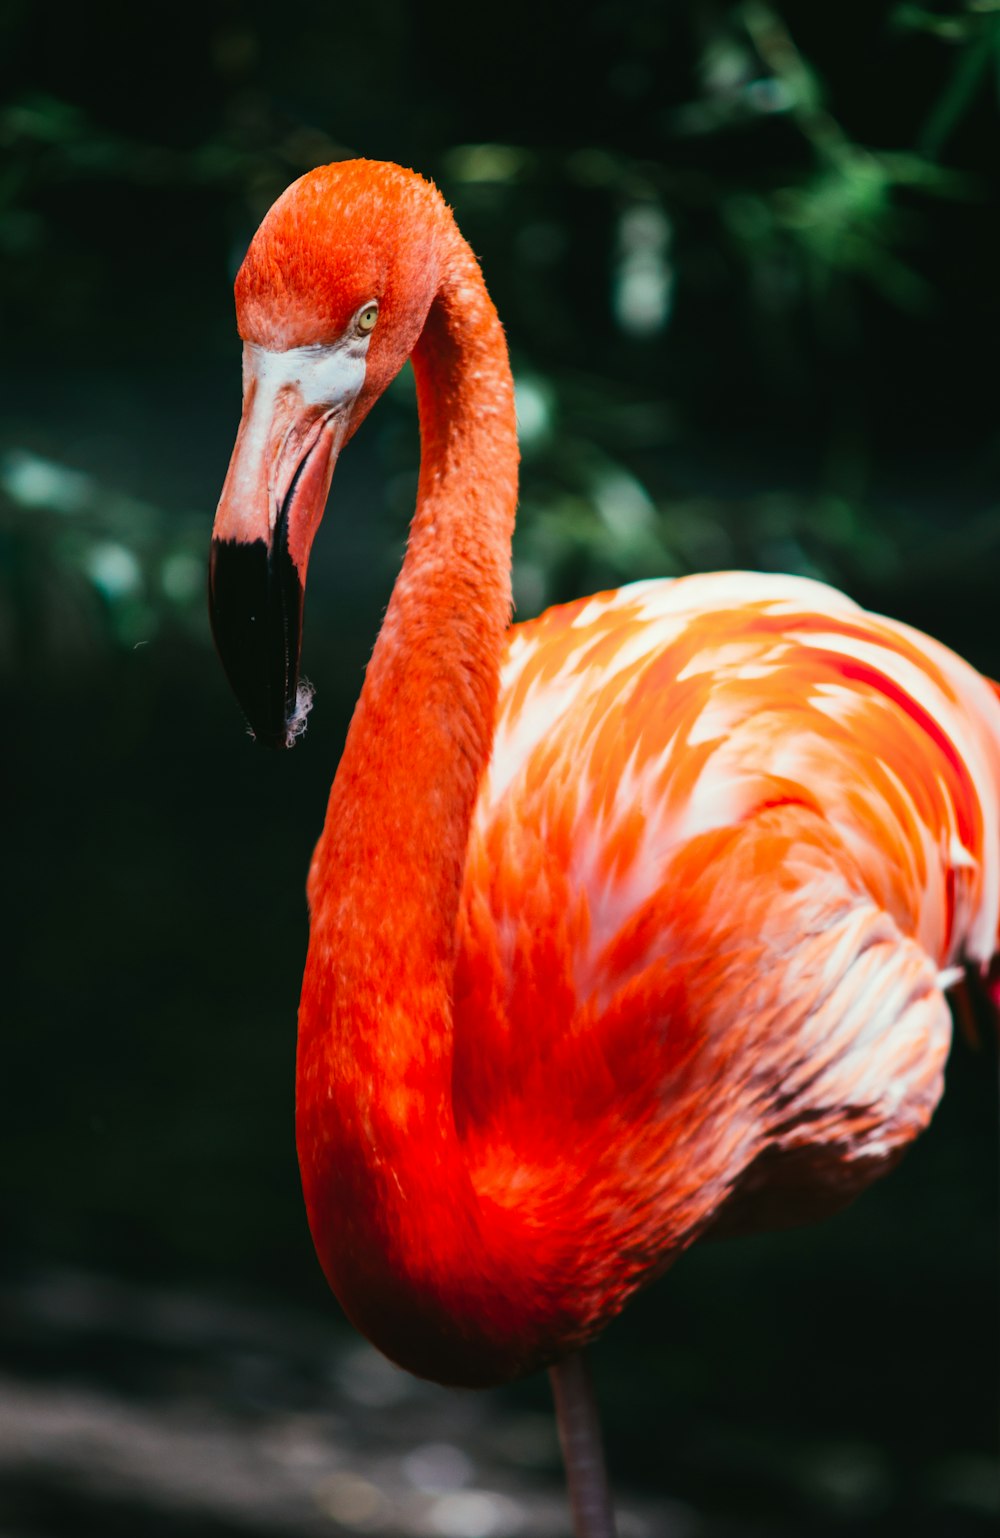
[[736, 838]]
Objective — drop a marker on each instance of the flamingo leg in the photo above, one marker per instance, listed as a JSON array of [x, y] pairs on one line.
[[583, 1451]]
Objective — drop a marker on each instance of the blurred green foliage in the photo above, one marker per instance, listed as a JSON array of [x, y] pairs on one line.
[[742, 331]]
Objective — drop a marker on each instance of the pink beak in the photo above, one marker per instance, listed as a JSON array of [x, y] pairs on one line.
[[272, 502]]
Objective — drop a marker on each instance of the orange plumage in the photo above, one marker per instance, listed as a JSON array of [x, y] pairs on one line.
[[628, 923], [734, 839]]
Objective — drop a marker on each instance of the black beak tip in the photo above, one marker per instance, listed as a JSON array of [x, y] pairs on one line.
[[267, 741], [255, 607]]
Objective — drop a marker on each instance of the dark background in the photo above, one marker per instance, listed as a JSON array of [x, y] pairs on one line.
[[747, 258]]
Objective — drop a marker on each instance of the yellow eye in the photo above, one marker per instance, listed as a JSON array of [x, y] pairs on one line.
[[367, 318]]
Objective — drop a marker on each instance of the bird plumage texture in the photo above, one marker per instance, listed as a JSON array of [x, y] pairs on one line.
[[735, 838]]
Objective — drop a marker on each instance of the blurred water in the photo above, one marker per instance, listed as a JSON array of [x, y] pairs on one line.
[[127, 1408]]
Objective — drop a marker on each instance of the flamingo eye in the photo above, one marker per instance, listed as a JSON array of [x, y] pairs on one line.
[[367, 318]]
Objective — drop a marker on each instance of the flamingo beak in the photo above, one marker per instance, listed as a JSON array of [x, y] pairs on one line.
[[271, 505]]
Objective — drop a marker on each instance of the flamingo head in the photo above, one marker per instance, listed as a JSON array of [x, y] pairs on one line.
[[330, 300]]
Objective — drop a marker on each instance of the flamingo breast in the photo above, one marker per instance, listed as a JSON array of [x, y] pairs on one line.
[[735, 839]]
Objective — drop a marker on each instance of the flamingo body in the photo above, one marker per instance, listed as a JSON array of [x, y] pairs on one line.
[[628, 923], [735, 839]]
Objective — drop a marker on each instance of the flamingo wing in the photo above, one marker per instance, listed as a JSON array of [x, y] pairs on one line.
[[736, 838]]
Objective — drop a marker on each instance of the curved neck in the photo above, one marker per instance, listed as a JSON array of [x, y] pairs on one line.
[[394, 1217], [423, 728]]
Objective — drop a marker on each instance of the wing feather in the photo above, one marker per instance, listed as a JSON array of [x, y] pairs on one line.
[[734, 834]]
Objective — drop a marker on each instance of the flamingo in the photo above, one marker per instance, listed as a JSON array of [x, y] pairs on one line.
[[628, 923]]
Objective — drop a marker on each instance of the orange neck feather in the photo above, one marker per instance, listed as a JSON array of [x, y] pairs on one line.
[[416, 1260]]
